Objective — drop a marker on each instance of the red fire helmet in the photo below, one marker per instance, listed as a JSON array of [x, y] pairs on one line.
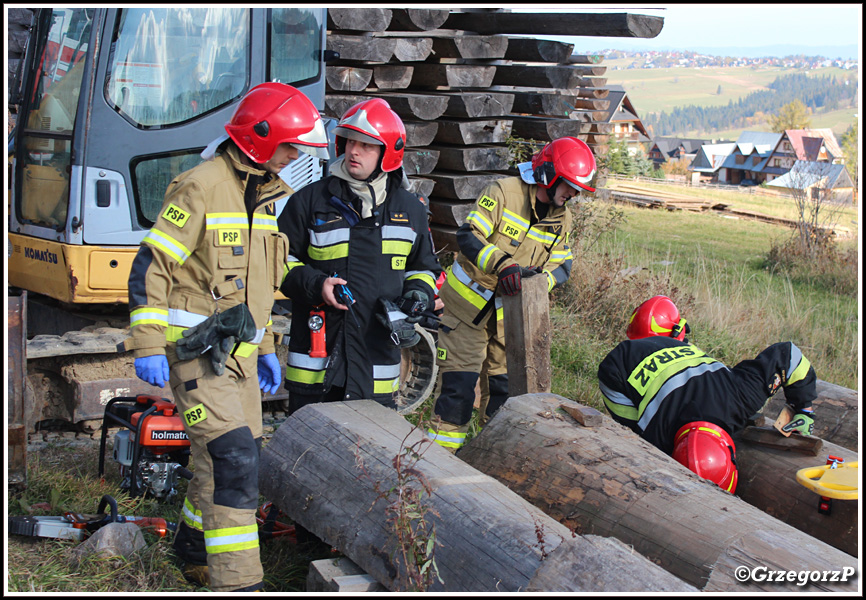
[[657, 316], [707, 450], [566, 157], [374, 122]]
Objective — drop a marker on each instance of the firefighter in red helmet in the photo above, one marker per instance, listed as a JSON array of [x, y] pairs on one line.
[[201, 290], [518, 228], [689, 405], [358, 230]]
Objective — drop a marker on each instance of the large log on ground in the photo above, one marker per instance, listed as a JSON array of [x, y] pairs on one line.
[[547, 23], [605, 480], [767, 480], [329, 466], [837, 413], [359, 19], [473, 132]]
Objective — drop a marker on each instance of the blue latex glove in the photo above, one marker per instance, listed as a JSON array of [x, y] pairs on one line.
[[269, 372], [152, 369]]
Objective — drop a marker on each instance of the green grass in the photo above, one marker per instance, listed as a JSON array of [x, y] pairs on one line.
[[713, 268], [657, 90]]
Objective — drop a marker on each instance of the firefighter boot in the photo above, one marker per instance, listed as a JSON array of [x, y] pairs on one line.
[[453, 409], [197, 574]]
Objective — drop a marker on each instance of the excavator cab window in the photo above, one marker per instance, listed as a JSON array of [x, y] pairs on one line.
[[169, 65], [295, 46], [47, 136]]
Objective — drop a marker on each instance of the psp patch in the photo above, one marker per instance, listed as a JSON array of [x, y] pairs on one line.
[[175, 215], [195, 415], [487, 202]]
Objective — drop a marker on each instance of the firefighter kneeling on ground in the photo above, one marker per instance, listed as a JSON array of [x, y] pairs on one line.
[[687, 404], [519, 227], [201, 291]]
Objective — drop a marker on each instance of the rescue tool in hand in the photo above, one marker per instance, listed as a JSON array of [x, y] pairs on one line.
[[344, 296], [76, 526]]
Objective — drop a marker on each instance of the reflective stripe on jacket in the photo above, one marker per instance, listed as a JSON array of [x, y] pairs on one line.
[[503, 228], [205, 253]]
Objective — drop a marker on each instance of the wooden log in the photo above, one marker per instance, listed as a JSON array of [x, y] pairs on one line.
[[582, 92], [769, 437], [477, 104], [605, 480], [452, 213], [585, 59], [473, 132], [767, 480], [473, 158], [523, 49], [837, 413], [433, 76], [407, 105], [552, 105], [347, 79], [585, 415], [470, 47], [546, 129], [527, 337], [420, 161], [328, 465], [420, 133], [567, 77], [421, 185], [444, 238], [340, 575], [461, 186], [409, 49], [362, 47], [392, 77], [359, 19], [417, 19], [546, 23]]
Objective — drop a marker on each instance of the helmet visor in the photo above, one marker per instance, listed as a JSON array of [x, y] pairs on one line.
[[314, 151], [356, 135]]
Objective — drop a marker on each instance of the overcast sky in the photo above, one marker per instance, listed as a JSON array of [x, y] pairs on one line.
[[687, 26]]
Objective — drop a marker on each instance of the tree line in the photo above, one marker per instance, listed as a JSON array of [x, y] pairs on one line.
[[818, 93]]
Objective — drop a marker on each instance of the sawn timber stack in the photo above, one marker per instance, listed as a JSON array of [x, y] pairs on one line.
[[467, 90]]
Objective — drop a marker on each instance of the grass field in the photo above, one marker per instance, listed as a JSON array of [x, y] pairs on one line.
[[657, 90]]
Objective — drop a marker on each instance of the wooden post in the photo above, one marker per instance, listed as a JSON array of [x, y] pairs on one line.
[[326, 465], [605, 480], [527, 337], [19, 421]]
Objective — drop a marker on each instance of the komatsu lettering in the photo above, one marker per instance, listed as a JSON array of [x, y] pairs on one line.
[[41, 255]]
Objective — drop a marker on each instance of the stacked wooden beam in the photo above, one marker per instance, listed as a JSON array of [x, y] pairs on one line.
[[469, 96]]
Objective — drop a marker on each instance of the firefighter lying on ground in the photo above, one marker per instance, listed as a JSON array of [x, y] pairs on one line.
[[687, 404], [362, 269], [201, 291], [518, 228]]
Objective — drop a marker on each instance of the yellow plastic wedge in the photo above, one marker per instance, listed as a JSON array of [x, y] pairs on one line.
[[839, 483]]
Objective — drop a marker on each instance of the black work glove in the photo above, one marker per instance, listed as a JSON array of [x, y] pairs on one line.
[[218, 333], [413, 303], [402, 332], [510, 278]]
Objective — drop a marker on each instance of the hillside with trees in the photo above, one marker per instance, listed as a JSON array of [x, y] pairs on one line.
[[816, 93]]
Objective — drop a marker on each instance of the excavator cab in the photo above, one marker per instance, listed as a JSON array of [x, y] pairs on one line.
[[113, 104]]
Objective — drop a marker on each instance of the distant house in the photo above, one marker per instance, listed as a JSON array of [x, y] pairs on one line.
[[745, 164], [670, 148], [627, 125], [708, 160], [818, 179], [814, 145]]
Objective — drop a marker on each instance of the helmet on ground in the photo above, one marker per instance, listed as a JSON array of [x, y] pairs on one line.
[[566, 157], [707, 450], [274, 113], [657, 316], [374, 122]]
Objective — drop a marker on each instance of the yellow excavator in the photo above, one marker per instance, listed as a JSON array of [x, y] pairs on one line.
[[113, 103]]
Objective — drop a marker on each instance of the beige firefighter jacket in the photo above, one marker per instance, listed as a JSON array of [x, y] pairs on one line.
[[502, 229], [205, 254]]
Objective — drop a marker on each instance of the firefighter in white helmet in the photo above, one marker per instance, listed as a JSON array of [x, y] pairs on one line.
[[519, 227], [201, 291]]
